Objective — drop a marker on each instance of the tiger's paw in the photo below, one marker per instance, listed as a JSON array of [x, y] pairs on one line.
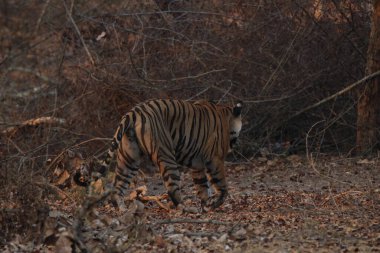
[[208, 205], [204, 206], [213, 202]]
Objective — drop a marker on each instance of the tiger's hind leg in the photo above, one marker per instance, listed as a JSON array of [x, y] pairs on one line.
[[217, 177], [128, 161], [201, 184], [171, 175]]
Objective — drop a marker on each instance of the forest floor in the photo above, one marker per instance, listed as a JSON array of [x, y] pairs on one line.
[[283, 204]]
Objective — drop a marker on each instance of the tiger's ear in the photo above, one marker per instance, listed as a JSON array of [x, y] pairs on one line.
[[236, 111]]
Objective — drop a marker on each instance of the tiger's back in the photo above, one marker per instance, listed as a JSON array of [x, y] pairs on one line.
[[173, 134]]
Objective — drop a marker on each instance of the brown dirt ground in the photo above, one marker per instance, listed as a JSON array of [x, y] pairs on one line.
[[284, 204]]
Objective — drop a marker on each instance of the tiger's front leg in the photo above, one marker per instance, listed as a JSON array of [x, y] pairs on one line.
[[217, 177]]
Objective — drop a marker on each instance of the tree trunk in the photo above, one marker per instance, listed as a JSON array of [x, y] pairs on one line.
[[368, 110]]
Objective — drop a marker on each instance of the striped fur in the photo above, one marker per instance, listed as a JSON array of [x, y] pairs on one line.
[[176, 134]]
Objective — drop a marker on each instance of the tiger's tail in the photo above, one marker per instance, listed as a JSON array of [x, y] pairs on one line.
[[101, 166], [126, 123]]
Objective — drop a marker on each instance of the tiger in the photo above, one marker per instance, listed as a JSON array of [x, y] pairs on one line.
[[176, 134]]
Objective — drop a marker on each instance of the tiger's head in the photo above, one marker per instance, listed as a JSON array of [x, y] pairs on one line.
[[235, 125]]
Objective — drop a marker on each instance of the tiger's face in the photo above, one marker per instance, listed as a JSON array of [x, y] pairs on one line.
[[235, 126]]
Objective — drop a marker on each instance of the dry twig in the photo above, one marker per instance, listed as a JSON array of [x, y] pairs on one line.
[[41, 16], [348, 88], [157, 199], [62, 194], [68, 12], [35, 73]]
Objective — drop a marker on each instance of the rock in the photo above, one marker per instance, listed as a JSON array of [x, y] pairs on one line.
[[223, 238], [241, 234]]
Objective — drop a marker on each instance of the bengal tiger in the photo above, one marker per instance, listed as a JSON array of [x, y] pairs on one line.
[[175, 134]]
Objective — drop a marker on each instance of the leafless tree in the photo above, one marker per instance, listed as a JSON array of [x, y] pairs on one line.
[[368, 110]]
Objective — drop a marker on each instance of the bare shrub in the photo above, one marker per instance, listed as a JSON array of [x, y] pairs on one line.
[[90, 61]]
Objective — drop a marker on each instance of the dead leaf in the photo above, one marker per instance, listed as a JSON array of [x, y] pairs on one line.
[[64, 244], [365, 161], [160, 242], [241, 234], [98, 186], [101, 36], [62, 178]]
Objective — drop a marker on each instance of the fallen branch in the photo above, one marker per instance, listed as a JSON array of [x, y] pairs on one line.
[[142, 190], [33, 122], [196, 234], [171, 221], [157, 199]]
